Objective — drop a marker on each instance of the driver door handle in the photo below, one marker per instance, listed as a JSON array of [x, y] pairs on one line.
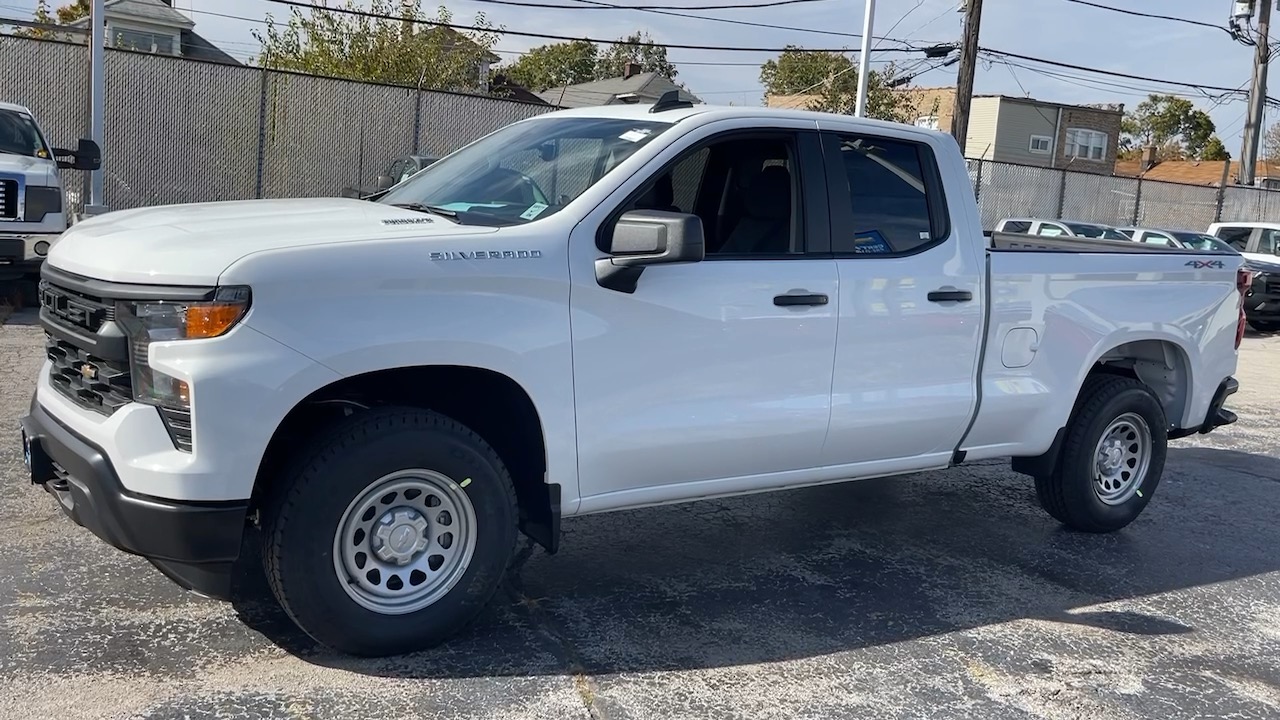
[[950, 294], [799, 300]]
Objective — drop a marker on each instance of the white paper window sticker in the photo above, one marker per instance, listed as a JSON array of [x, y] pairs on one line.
[[635, 134], [534, 211]]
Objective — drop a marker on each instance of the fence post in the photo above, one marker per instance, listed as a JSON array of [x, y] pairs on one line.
[[1137, 203], [1062, 194], [417, 121], [977, 182], [1222, 190], [262, 133]]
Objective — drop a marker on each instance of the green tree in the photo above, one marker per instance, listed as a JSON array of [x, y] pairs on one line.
[[1271, 143], [360, 47], [639, 48], [828, 82], [1173, 124], [64, 15], [555, 65], [1215, 150]]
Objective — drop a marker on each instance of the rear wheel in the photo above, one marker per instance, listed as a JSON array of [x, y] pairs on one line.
[[1112, 457], [393, 533]]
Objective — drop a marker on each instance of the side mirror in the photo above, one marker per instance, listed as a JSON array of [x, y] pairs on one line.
[[648, 237], [385, 182], [86, 156]]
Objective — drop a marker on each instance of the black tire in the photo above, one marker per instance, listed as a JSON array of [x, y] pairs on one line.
[[301, 518], [1068, 494], [1265, 325]]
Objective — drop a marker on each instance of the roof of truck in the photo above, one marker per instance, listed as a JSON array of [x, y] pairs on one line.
[[12, 106], [641, 111]]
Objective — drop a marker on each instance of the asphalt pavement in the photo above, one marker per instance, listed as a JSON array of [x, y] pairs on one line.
[[941, 595]]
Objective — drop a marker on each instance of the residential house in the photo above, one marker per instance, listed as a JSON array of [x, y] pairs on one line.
[[1197, 172], [154, 26], [1083, 138], [634, 86]]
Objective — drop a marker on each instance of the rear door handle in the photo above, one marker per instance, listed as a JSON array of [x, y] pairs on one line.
[[794, 300], [950, 295]]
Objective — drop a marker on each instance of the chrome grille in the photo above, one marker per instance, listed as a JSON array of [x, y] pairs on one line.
[[73, 310], [91, 382], [8, 199]]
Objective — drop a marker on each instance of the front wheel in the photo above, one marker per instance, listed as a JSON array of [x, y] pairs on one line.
[[393, 533], [1112, 457], [1265, 325]]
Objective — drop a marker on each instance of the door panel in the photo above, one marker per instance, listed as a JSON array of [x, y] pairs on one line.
[[910, 304], [702, 373]]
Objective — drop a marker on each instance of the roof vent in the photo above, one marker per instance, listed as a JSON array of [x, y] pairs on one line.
[[670, 100]]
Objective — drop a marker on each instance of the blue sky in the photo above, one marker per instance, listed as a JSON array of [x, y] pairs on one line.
[[1054, 29]]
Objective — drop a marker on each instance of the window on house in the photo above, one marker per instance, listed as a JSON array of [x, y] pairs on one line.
[[144, 41], [1086, 144], [929, 122], [1041, 144]]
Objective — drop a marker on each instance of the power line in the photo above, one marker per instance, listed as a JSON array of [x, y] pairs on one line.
[[598, 5], [548, 36], [1136, 13], [735, 6], [1112, 73]]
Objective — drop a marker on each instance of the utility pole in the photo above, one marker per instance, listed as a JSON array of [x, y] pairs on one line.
[[1257, 96], [864, 61], [97, 39], [968, 65]]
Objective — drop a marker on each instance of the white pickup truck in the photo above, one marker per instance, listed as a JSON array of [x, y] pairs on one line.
[[586, 311], [32, 207]]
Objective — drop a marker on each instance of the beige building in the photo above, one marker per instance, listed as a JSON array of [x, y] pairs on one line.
[[1016, 130], [1083, 138]]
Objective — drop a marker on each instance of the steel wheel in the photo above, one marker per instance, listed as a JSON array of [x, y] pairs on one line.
[[1121, 459], [404, 541]]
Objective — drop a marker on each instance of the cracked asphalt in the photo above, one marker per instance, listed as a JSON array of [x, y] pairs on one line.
[[946, 595]]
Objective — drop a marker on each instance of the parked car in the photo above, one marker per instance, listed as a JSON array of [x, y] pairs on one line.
[[719, 300], [32, 206], [1189, 239], [1059, 228], [1259, 243]]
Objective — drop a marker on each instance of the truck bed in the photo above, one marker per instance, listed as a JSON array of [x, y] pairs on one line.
[[1004, 241]]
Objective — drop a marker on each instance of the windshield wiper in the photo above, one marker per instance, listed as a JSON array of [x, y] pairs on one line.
[[430, 210]]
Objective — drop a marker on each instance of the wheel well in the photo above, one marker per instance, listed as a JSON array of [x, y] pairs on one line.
[[489, 403], [1160, 365]]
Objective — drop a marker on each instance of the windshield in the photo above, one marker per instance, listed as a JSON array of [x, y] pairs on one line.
[[1200, 241], [1096, 231], [19, 135], [525, 171]]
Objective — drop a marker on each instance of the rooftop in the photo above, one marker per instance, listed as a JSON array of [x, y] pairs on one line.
[[601, 92], [1192, 172]]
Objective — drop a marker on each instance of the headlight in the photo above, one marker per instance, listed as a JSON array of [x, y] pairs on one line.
[[41, 201], [148, 322]]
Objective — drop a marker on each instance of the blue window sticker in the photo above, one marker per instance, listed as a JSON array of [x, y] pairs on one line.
[[870, 243]]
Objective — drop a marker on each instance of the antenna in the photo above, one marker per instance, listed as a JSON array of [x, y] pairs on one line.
[[670, 100]]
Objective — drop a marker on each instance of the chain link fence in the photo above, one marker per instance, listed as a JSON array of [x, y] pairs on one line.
[[1009, 190], [180, 131]]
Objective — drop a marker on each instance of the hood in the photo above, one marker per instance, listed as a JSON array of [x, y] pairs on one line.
[[193, 244], [1263, 266], [35, 170]]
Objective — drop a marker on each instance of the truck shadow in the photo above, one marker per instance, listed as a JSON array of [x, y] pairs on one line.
[[811, 572]]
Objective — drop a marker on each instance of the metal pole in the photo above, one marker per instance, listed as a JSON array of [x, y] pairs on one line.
[[1257, 97], [968, 65], [864, 62], [97, 39]]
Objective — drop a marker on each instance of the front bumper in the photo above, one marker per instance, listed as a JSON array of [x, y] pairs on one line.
[[1262, 301], [17, 254], [194, 543]]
